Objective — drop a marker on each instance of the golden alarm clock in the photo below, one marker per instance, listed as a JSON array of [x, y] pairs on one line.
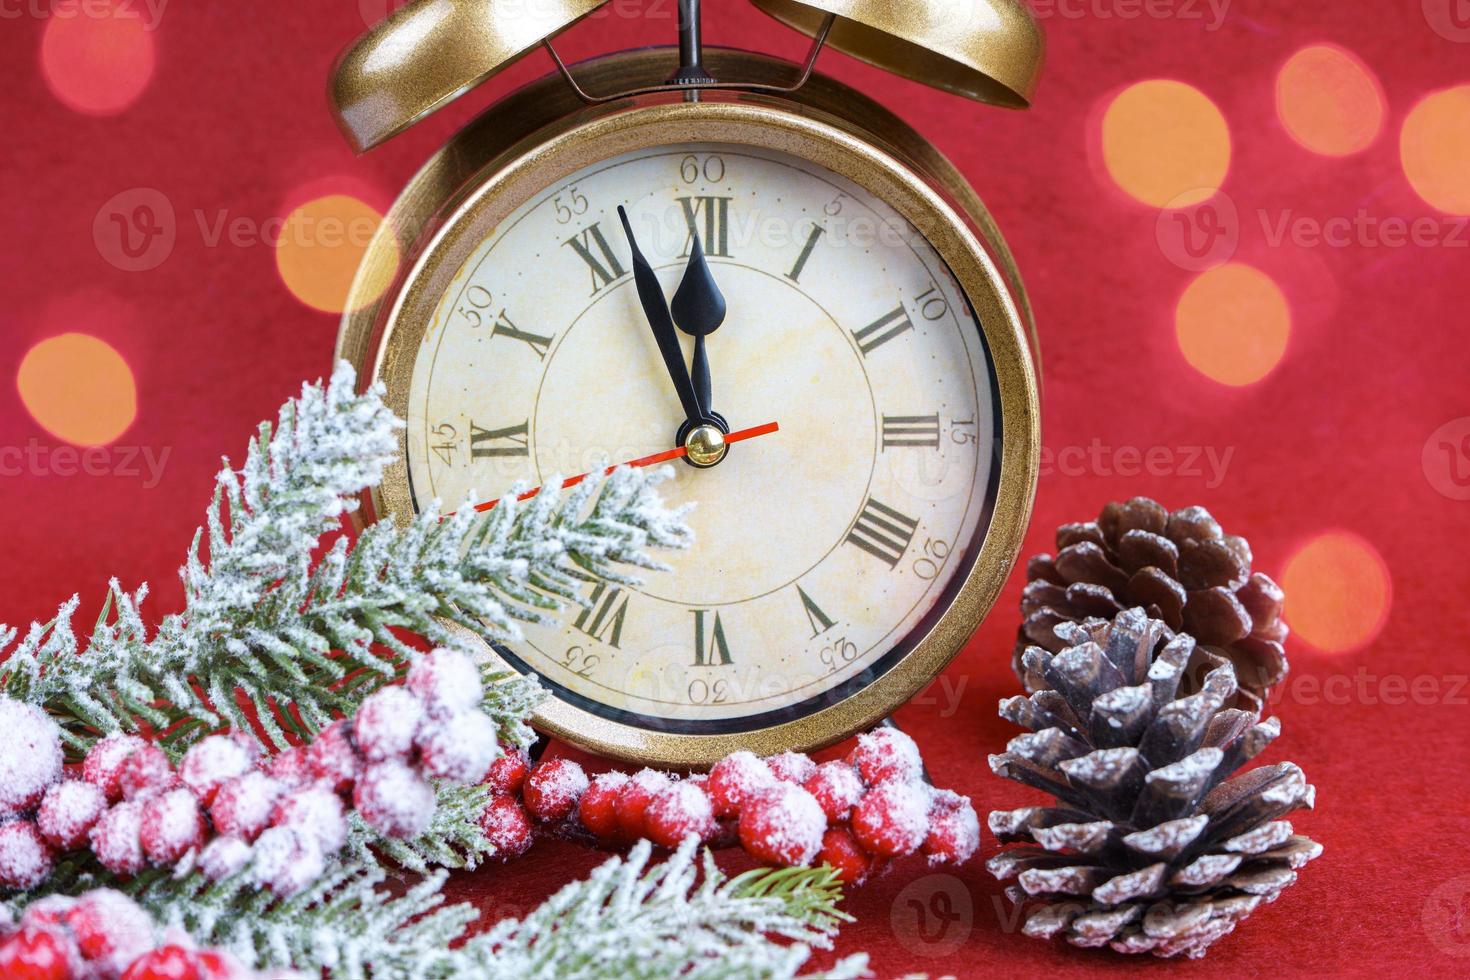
[[731, 256]]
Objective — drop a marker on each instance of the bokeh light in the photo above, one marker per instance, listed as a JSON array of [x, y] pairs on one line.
[[1329, 100], [1232, 323], [1338, 592], [98, 57], [321, 246], [78, 388], [1165, 143], [1434, 147]]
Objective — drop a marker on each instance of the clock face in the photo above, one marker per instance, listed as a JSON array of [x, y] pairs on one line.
[[823, 550]]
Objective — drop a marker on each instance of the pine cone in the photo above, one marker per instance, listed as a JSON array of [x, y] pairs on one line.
[[1152, 847], [1181, 568]]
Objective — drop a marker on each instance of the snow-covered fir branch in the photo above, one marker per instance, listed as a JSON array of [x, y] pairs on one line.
[[284, 628]]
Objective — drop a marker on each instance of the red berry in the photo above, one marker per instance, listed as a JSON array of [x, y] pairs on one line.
[[332, 759], [290, 768], [286, 862], [146, 772], [734, 779], [840, 850], [676, 813], [633, 800], [36, 954], [792, 767], [837, 787], [68, 813], [598, 810], [508, 773], [458, 748], [394, 799], [886, 754], [32, 758], [214, 965], [954, 829], [48, 912], [171, 827], [316, 812], [554, 788], [783, 826], [892, 819], [506, 826], [385, 724], [207, 765], [165, 963], [25, 860], [223, 857], [242, 806], [103, 765], [447, 682], [110, 928], [116, 841]]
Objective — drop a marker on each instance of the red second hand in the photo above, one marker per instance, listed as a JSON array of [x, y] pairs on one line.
[[654, 460]]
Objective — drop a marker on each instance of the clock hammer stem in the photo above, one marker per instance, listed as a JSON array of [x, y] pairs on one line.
[[691, 49]]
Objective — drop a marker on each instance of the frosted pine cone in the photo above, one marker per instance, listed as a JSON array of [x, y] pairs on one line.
[[1151, 846], [1179, 567]]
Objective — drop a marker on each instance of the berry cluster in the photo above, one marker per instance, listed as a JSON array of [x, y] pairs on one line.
[[853, 814], [229, 809], [103, 935]]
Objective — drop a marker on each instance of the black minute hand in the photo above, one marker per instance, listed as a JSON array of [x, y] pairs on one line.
[[656, 309]]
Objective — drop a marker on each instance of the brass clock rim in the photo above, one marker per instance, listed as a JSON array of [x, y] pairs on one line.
[[587, 137]]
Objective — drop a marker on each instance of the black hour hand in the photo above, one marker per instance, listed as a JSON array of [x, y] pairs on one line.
[[699, 309]]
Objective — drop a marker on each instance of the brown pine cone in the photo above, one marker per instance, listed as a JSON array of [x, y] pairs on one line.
[[1181, 568]]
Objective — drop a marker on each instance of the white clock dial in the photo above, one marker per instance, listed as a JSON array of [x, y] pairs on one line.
[[821, 549]]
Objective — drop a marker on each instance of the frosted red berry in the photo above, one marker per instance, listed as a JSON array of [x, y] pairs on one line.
[[840, 849], [507, 826], [736, 778], [678, 812], [286, 862], [146, 772], [886, 755], [172, 825], [110, 929], [332, 759], [892, 819], [954, 829], [837, 788], [25, 859], [385, 724], [394, 799], [214, 965], [116, 841], [458, 748], [69, 811], [243, 805], [165, 963], [446, 682], [211, 762], [792, 767], [783, 825], [316, 812], [553, 789], [224, 857], [598, 808], [633, 800], [102, 766], [32, 758], [508, 773], [290, 768], [36, 954]]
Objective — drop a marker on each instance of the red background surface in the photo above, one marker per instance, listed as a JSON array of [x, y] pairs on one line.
[[234, 119]]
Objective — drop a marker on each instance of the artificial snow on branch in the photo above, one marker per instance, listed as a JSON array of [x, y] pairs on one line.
[[284, 629]]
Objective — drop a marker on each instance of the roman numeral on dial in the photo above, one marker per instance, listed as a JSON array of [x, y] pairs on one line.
[[505, 328], [882, 330], [710, 650], [911, 430], [592, 247], [820, 621], [604, 614], [883, 532], [713, 230], [489, 443], [806, 253]]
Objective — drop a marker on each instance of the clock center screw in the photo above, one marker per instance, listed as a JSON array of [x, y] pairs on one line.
[[706, 445]]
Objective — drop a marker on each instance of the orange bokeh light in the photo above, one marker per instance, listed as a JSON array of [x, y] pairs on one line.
[[1232, 324], [1338, 592], [1329, 100], [78, 388], [321, 246], [1165, 143], [98, 57], [1434, 147]]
